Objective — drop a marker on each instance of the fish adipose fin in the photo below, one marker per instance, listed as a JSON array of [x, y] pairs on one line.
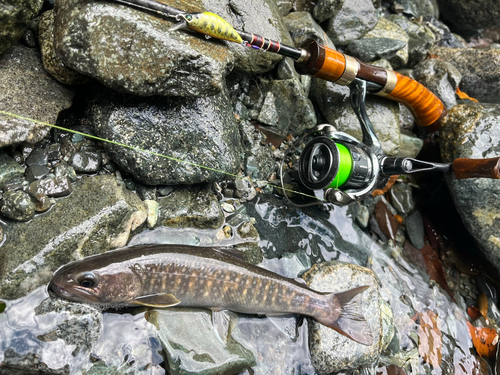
[[157, 300], [350, 322]]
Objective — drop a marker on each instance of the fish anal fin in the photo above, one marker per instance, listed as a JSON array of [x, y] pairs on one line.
[[157, 300], [349, 321]]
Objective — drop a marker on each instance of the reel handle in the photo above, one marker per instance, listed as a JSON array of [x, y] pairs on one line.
[[334, 66], [476, 168]]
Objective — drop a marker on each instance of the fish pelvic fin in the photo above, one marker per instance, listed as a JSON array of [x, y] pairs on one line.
[[350, 322], [157, 300]]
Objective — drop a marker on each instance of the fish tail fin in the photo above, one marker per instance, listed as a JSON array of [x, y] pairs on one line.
[[350, 322]]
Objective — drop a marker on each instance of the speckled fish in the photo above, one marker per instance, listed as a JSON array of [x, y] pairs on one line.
[[178, 275], [209, 24]]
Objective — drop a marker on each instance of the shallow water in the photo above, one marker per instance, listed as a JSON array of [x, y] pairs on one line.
[[129, 344]]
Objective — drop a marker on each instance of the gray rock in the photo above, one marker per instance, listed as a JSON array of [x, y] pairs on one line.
[[85, 161], [402, 198], [201, 132], [333, 103], [471, 131], [387, 29], [470, 15], [15, 16], [351, 20], [444, 37], [9, 169], [441, 77], [97, 216], [36, 172], [195, 207], [286, 70], [362, 215], [284, 6], [51, 186], [374, 48], [415, 229], [38, 156], [421, 38], [51, 60], [480, 69], [331, 351], [26, 89], [192, 346], [128, 50], [410, 144], [325, 9], [259, 159], [17, 205], [417, 8], [27, 363], [302, 26]]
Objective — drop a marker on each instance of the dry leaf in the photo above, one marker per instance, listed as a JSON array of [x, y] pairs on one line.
[[482, 304], [435, 268], [390, 370], [473, 312], [386, 221], [485, 340], [463, 95], [429, 338], [385, 189]]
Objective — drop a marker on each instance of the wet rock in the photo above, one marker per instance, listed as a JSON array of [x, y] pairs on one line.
[[65, 171], [415, 229], [157, 62], [333, 103], [302, 27], [15, 16], [387, 29], [402, 198], [145, 192], [153, 212], [52, 187], [195, 206], [42, 202], [30, 363], [331, 351], [417, 8], [480, 70], [244, 189], [284, 7], [362, 215], [9, 169], [85, 161], [198, 131], [421, 38], [444, 37], [287, 107], [350, 20], [470, 15], [26, 89], [98, 215], [471, 131], [441, 77], [51, 60], [410, 144], [192, 346], [36, 172], [17, 205], [259, 159], [374, 48]]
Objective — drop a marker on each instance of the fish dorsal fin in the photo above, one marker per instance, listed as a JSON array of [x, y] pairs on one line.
[[157, 300], [300, 280], [231, 251]]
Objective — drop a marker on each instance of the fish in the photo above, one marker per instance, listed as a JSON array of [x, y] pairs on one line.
[[209, 24], [163, 276]]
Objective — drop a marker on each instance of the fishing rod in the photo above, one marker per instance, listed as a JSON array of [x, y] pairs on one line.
[[346, 169]]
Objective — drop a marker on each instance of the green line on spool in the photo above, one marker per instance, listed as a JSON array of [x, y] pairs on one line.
[[345, 167]]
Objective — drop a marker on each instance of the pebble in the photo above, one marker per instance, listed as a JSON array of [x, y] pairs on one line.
[[163, 191], [9, 169], [64, 170], [36, 172], [17, 205], [153, 209], [42, 203], [38, 156], [401, 198], [415, 229], [52, 187], [86, 161], [229, 208], [362, 215]]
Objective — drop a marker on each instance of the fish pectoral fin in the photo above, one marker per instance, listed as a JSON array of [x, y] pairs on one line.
[[178, 26], [157, 300]]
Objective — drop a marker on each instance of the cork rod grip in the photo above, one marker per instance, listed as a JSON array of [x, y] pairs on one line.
[[476, 168]]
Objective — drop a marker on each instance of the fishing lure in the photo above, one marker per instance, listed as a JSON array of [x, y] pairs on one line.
[[209, 24]]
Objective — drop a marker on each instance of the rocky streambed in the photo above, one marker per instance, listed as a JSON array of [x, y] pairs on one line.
[[198, 129]]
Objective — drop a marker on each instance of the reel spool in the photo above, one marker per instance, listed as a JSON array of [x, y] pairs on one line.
[[326, 164]]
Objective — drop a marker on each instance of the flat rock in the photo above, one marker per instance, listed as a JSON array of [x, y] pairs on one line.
[[27, 90], [331, 351], [196, 140], [99, 215], [471, 131]]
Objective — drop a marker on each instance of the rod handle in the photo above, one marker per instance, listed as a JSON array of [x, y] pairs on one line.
[[476, 168]]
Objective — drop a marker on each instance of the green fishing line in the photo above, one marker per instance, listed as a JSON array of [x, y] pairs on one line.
[[345, 167], [153, 153]]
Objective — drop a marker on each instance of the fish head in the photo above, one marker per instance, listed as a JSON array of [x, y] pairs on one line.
[[108, 285]]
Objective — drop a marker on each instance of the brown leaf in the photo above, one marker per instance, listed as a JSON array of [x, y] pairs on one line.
[[463, 95], [482, 304], [473, 312], [435, 268], [429, 338], [390, 370], [387, 222], [485, 340], [385, 189], [435, 237], [414, 256]]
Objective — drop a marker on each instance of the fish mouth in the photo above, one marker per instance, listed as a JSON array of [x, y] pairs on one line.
[[61, 292]]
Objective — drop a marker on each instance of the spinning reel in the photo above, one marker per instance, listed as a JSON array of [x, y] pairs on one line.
[[346, 169]]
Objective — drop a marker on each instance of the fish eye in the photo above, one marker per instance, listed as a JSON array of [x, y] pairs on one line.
[[189, 17], [87, 279]]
